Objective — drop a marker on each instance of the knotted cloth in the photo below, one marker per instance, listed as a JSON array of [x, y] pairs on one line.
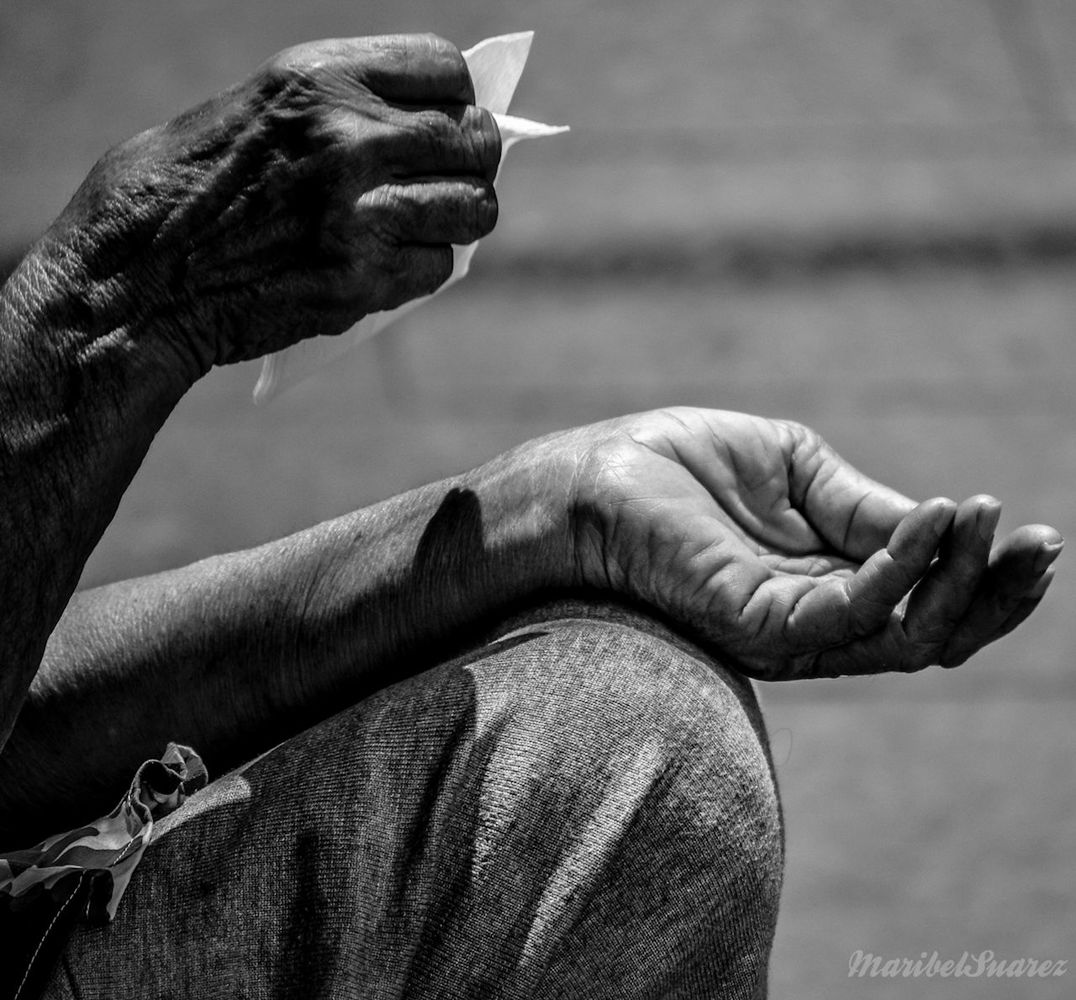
[[82, 874]]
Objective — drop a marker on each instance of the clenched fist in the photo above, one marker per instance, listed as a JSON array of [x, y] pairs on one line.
[[328, 185]]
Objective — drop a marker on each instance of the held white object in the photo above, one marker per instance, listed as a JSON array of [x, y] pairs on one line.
[[496, 65]]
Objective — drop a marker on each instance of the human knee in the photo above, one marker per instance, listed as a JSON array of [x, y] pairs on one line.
[[598, 701], [630, 779]]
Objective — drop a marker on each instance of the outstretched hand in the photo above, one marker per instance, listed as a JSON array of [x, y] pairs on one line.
[[760, 538]]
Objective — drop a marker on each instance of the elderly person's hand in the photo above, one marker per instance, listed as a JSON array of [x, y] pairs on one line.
[[749, 534], [328, 185], [764, 542]]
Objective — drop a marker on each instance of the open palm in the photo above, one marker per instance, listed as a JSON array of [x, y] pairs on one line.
[[760, 538]]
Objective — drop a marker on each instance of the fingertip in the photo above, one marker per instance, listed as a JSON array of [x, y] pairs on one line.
[[1028, 550], [979, 515], [1046, 556], [924, 526], [941, 511], [987, 516], [1047, 535], [890, 574]]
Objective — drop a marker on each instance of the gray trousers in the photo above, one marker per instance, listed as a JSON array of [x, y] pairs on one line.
[[582, 807]]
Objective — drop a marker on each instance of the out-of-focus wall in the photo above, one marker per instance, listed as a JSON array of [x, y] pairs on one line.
[[691, 117]]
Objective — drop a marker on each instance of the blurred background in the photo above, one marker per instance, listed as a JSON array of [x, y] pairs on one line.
[[856, 213]]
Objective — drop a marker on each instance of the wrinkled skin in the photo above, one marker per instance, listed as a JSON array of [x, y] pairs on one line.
[[758, 536], [328, 185]]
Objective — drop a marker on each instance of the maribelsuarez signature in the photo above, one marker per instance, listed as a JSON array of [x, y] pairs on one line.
[[970, 965]]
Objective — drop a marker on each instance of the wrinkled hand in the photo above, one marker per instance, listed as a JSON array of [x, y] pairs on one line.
[[760, 538], [328, 185]]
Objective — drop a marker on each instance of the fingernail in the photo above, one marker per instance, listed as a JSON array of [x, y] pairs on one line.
[[986, 520], [1046, 555], [943, 517]]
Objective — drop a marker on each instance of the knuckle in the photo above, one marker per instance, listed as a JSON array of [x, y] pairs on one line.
[[487, 210], [807, 447], [424, 136], [360, 148], [798, 431], [290, 64], [432, 124], [386, 212], [464, 211], [601, 470], [310, 63], [443, 54], [486, 137]]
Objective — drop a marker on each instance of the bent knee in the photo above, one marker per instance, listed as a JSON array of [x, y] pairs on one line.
[[594, 704], [635, 779]]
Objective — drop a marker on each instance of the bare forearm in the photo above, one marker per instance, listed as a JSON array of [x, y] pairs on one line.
[[329, 184], [85, 383], [238, 652]]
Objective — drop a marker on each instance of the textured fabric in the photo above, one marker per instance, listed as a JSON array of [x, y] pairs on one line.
[[82, 874], [581, 808]]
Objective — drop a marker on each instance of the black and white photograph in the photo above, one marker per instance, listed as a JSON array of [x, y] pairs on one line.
[[537, 501]]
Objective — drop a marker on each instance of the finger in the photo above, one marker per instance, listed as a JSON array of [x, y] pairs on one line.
[[433, 211], [852, 512], [945, 593], [841, 610], [883, 652], [889, 649], [1010, 590], [423, 268], [810, 565], [413, 69], [408, 271], [407, 70], [1025, 605], [447, 140]]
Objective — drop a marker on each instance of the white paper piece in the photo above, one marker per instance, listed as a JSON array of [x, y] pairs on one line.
[[496, 65]]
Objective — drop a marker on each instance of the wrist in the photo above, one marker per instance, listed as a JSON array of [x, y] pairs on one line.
[[89, 329], [118, 255], [525, 497]]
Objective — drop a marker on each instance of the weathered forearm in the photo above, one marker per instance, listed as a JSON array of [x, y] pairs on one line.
[[86, 380], [238, 652], [258, 217]]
